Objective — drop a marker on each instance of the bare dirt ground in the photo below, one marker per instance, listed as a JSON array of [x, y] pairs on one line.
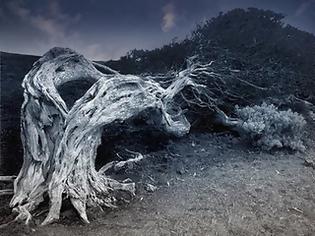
[[206, 185]]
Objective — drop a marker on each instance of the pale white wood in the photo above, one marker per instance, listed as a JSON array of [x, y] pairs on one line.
[[60, 143]]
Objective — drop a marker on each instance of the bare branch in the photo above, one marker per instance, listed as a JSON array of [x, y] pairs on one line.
[[6, 192], [10, 178]]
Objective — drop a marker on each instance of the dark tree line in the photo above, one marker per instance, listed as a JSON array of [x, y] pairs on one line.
[[256, 43]]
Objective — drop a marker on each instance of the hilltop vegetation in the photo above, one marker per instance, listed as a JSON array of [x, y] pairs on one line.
[[255, 43]]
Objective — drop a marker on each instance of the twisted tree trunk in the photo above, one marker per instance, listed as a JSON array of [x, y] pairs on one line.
[[60, 144]]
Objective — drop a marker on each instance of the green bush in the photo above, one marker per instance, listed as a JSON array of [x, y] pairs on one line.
[[268, 127]]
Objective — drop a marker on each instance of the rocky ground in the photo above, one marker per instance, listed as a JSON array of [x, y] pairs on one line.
[[200, 185]]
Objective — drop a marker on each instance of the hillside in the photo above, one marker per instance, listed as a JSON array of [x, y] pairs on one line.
[[254, 42], [13, 68], [262, 51], [206, 185], [212, 180]]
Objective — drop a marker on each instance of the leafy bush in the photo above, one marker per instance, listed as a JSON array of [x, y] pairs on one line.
[[270, 128]]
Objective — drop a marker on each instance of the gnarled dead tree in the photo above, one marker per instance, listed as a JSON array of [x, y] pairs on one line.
[[60, 143]]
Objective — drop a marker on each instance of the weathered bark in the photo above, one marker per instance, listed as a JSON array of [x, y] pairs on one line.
[[43, 116], [60, 143]]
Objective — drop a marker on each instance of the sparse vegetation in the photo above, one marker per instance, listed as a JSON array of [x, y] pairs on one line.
[[268, 127], [263, 50]]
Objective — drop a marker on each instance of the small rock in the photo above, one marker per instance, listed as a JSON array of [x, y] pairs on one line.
[[180, 171], [309, 162], [150, 187], [128, 180]]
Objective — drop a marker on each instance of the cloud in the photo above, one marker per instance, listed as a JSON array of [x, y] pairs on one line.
[[47, 26], [95, 51], [2, 16], [16, 8], [168, 20], [303, 7], [53, 23], [52, 27]]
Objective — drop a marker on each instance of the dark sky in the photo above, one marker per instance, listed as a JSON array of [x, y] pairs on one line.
[[107, 29]]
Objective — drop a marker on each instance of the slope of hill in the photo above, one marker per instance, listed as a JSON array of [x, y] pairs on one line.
[[206, 185], [13, 68], [254, 42], [204, 171], [250, 45]]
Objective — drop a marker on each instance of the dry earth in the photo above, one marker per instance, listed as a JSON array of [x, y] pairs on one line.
[[206, 185]]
